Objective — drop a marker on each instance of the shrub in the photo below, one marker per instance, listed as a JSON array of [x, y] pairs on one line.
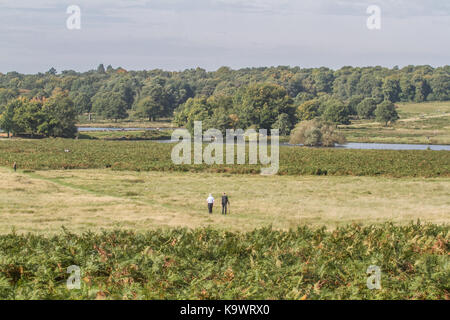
[[316, 133]]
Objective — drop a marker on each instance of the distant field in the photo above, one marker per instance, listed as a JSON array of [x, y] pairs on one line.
[[420, 123], [83, 121], [80, 200], [127, 135], [151, 156]]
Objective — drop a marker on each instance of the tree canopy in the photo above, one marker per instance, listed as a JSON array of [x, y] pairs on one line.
[[249, 97]]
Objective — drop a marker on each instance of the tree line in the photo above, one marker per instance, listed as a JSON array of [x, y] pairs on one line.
[[265, 97]]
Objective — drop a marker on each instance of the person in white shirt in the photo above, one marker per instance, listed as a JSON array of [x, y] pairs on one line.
[[210, 202]]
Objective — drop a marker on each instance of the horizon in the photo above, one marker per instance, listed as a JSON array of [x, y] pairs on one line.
[[59, 72]]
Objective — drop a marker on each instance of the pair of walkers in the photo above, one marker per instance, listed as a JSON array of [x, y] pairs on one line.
[[225, 203]]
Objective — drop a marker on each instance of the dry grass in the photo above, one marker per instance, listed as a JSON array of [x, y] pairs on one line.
[[103, 199], [423, 123]]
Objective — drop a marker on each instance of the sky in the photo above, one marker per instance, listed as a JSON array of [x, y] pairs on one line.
[[181, 34]]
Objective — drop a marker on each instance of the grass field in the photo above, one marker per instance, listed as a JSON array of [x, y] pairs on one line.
[[420, 123], [152, 156], [44, 201]]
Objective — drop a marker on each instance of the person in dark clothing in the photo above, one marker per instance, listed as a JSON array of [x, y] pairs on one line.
[[15, 167], [225, 203]]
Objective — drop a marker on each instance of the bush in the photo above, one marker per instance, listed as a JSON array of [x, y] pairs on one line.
[[316, 133]]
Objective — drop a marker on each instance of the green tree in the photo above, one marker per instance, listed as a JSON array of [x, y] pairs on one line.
[[386, 113], [308, 110], [391, 89], [194, 109], [110, 105], [366, 108], [28, 116], [336, 112], [422, 89], [101, 69], [408, 90], [440, 86], [82, 102], [149, 108], [154, 102], [353, 104], [7, 94], [60, 116], [7, 123], [283, 124], [260, 105]]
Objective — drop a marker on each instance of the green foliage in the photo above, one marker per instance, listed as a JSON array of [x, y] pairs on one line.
[[60, 117], [163, 92], [259, 105], [308, 110], [110, 105], [7, 123], [28, 117], [283, 124], [391, 89], [213, 264], [54, 117], [366, 109], [440, 87], [155, 101], [386, 113], [152, 156], [336, 112], [353, 103]]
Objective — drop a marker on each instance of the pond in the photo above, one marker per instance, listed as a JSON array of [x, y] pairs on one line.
[[392, 146], [372, 146]]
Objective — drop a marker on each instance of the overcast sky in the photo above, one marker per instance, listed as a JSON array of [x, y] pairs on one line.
[[179, 34]]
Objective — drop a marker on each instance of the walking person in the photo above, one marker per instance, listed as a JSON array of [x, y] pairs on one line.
[[225, 203], [15, 167], [210, 202]]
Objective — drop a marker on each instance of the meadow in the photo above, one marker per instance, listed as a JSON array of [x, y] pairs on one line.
[[420, 123], [45, 201], [49, 154]]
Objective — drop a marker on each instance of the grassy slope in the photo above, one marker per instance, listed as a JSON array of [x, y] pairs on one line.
[[95, 199], [420, 123]]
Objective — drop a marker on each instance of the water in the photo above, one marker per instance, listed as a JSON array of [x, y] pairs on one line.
[[372, 146], [96, 129], [392, 146]]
